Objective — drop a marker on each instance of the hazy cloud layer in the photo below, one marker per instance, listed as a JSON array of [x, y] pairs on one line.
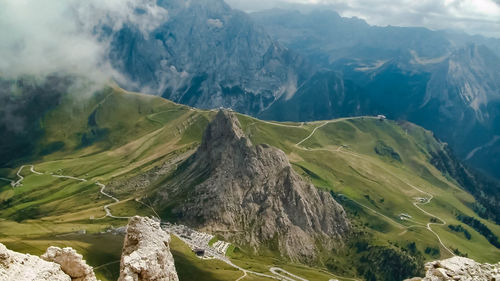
[[471, 16], [51, 36]]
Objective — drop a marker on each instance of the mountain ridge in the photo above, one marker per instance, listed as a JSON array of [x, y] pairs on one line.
[[251, 194]]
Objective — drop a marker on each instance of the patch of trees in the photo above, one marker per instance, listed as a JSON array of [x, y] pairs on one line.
[[432, 251], [434, 220], [485, 189], [32, 212], [388, 263], [481, 228], [460, 228], [458, 253], [382, 149], [7, 203]]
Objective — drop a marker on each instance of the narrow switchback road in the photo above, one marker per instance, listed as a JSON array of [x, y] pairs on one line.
[[8, 180], [102, 186], [21, 178], [246, 272], [416, 204], [477, 149], [427, 201], [330, 122], [106, 207], [285, 274], [312, 133]]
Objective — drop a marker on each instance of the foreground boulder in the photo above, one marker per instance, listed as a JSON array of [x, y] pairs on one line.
[[55, 265], [459, 269], [252, 196], [16, 266], [146, 257], [71, 263], [146, 253]]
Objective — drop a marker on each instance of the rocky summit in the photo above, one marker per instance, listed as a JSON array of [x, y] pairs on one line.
[[459, 269], [71, 263], [146, 257], [252, 196], [146, 253], [55, 265]]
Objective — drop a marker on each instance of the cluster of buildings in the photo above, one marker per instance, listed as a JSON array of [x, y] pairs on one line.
[[202, 244]]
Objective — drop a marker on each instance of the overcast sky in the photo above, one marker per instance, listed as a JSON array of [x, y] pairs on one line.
[[471, 16]]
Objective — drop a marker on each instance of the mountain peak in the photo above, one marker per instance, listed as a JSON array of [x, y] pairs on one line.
[[223, 136], [225, 126], [251, 195]]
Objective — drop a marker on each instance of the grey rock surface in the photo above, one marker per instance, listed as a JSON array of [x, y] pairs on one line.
[[71, 263], [251, 195], [207, 55], [17, 266], [146, 257], [459, 269], [146, 253]]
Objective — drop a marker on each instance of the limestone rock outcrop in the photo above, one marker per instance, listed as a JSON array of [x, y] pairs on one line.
[[146, 253], [71, 263], [459, 269], [17, 266], [146, 257], [251, 195]]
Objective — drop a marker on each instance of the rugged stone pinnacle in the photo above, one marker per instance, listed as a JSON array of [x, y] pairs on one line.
[[146, 257], [146, 253], [251, 195], [224, 128]]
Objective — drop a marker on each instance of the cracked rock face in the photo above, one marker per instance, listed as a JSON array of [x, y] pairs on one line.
[[460, 269], [251, 195], [71, 263], [17, 266], [146, 253]]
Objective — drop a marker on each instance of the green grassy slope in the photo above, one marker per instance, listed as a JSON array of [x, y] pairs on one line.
[[374, 168], [341, 156], [102, 138]]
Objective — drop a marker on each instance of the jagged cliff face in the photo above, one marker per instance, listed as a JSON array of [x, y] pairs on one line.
[[146, 253], [207, 55], [251, 195], [459, 269]]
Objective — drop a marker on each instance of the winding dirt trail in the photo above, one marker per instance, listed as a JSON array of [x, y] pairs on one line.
[[427, 200], [285, 274], [20, 178], [102, 186], [8, 180], [312, 133], [330, 122], [106, 207], [481, 147], [278, 273]]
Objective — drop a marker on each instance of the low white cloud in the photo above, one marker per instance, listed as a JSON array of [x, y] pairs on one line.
[[472, 16], [215, 22], [39, 38]]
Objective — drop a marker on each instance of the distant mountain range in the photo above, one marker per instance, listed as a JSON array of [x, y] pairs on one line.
[[446, 82], [208, 55], [287, 65]]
